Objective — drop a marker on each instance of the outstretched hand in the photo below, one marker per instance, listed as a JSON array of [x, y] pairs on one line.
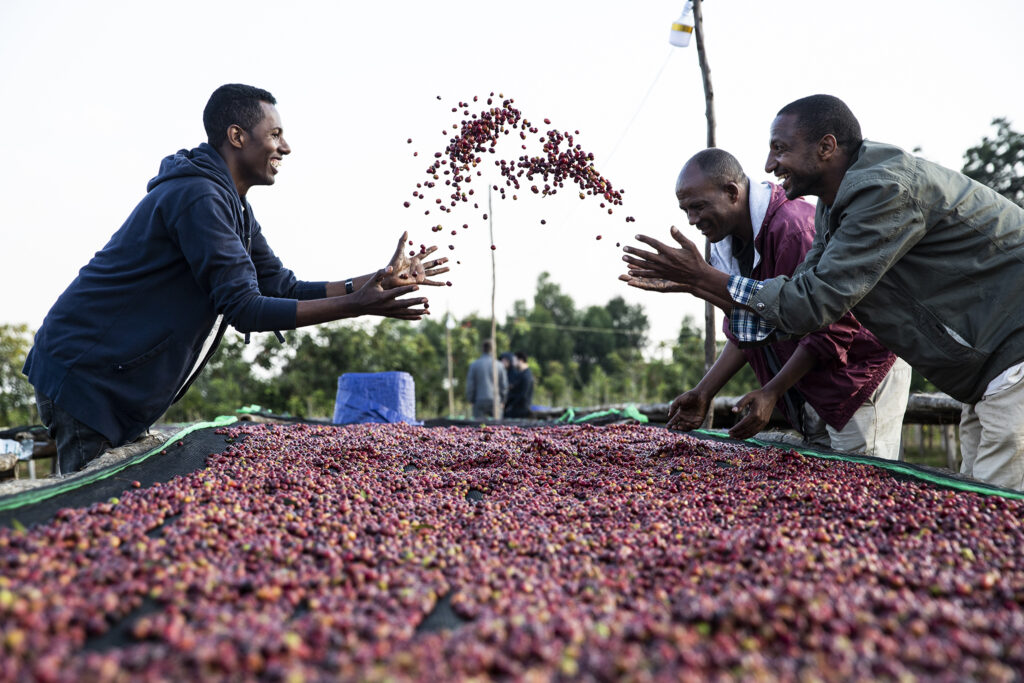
[[651, 284], [412, 270], [683, 265], [374, 299], [760, 404]]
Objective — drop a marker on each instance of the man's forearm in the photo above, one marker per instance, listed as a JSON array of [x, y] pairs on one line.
[[799, 364], [725, 368], [316, 311], [713, 288], [337, 288]]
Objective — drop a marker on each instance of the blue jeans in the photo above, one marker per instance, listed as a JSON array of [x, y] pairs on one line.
[[77, 444]]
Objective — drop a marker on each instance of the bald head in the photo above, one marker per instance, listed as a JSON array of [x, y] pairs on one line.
[[714, 191], [714, 165]]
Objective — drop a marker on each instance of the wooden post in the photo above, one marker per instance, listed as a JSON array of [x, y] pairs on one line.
[[451, 377], [496, 403], [949, 442], [709, 113]]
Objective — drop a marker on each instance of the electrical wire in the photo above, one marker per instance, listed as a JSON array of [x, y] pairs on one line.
[[606, 161]]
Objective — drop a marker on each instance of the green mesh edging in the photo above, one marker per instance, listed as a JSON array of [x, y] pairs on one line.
[[630, 411], [37, 495], [893, 465]]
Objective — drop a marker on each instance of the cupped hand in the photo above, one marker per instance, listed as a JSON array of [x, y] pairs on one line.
[[652, 284], [374, 299], [687, 411], [760, 405], [414, 269], [682, 265]]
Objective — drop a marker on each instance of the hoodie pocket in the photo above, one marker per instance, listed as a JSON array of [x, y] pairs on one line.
[[142, 359]]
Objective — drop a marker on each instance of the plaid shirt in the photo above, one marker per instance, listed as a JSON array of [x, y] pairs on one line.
[[747, 326]]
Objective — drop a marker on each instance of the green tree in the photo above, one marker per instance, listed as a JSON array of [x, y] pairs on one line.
[[17, 400], [554, 385], [594, 341], [688, 357], [551, 319], [615, 327], [630, 324], [999, 162]]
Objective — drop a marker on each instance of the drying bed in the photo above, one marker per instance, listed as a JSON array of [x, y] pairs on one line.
[[390, 552]]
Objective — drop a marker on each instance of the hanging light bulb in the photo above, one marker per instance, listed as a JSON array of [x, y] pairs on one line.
[[682, 28]]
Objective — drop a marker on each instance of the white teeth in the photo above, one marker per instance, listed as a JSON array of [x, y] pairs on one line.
[[276, 163]]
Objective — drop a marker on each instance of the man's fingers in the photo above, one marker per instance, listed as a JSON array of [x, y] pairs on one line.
[[433, 283], [646, 255], [742, 404], [432, 271], [408, 309], [679, 423], [646, 284], [379, 277], [678, 236], [749, 426], [646, 274], [634, 280], [744, 429], [400, 291], [427, 252], [637, 282], [657, 245], [642, 262], [400, 247], [430, 268]]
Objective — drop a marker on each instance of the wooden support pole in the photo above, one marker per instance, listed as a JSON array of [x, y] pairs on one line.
[[709, 113], [949, 443], [496, 403]]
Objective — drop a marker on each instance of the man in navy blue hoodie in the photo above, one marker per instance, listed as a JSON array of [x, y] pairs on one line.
[[121, 343]]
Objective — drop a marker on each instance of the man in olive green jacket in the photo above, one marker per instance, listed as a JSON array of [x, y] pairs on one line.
[[928, 260]]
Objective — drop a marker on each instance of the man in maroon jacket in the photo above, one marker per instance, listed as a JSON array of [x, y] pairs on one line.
[[841, 373]]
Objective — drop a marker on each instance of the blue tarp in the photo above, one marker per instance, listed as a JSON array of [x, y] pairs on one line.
[[375, 397]]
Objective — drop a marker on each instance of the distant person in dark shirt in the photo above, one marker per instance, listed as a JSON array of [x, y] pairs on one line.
[[520, 387]]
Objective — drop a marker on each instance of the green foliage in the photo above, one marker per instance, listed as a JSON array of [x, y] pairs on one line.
[[999, 162], [17, 400], [226, 384]]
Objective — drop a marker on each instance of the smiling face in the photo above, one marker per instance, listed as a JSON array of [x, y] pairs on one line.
[[717, 210], [260, 150], [793, 159]]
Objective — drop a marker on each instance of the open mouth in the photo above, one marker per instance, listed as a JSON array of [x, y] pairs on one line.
[[276, 164]]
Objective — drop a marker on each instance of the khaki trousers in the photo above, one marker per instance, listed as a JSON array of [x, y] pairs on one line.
[[992, 438], [877, 426]]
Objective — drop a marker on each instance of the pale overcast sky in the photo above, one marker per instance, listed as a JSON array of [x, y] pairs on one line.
[[96, 93]]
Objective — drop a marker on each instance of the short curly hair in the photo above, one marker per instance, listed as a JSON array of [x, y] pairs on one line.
[[230, 104], [821, 115]]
